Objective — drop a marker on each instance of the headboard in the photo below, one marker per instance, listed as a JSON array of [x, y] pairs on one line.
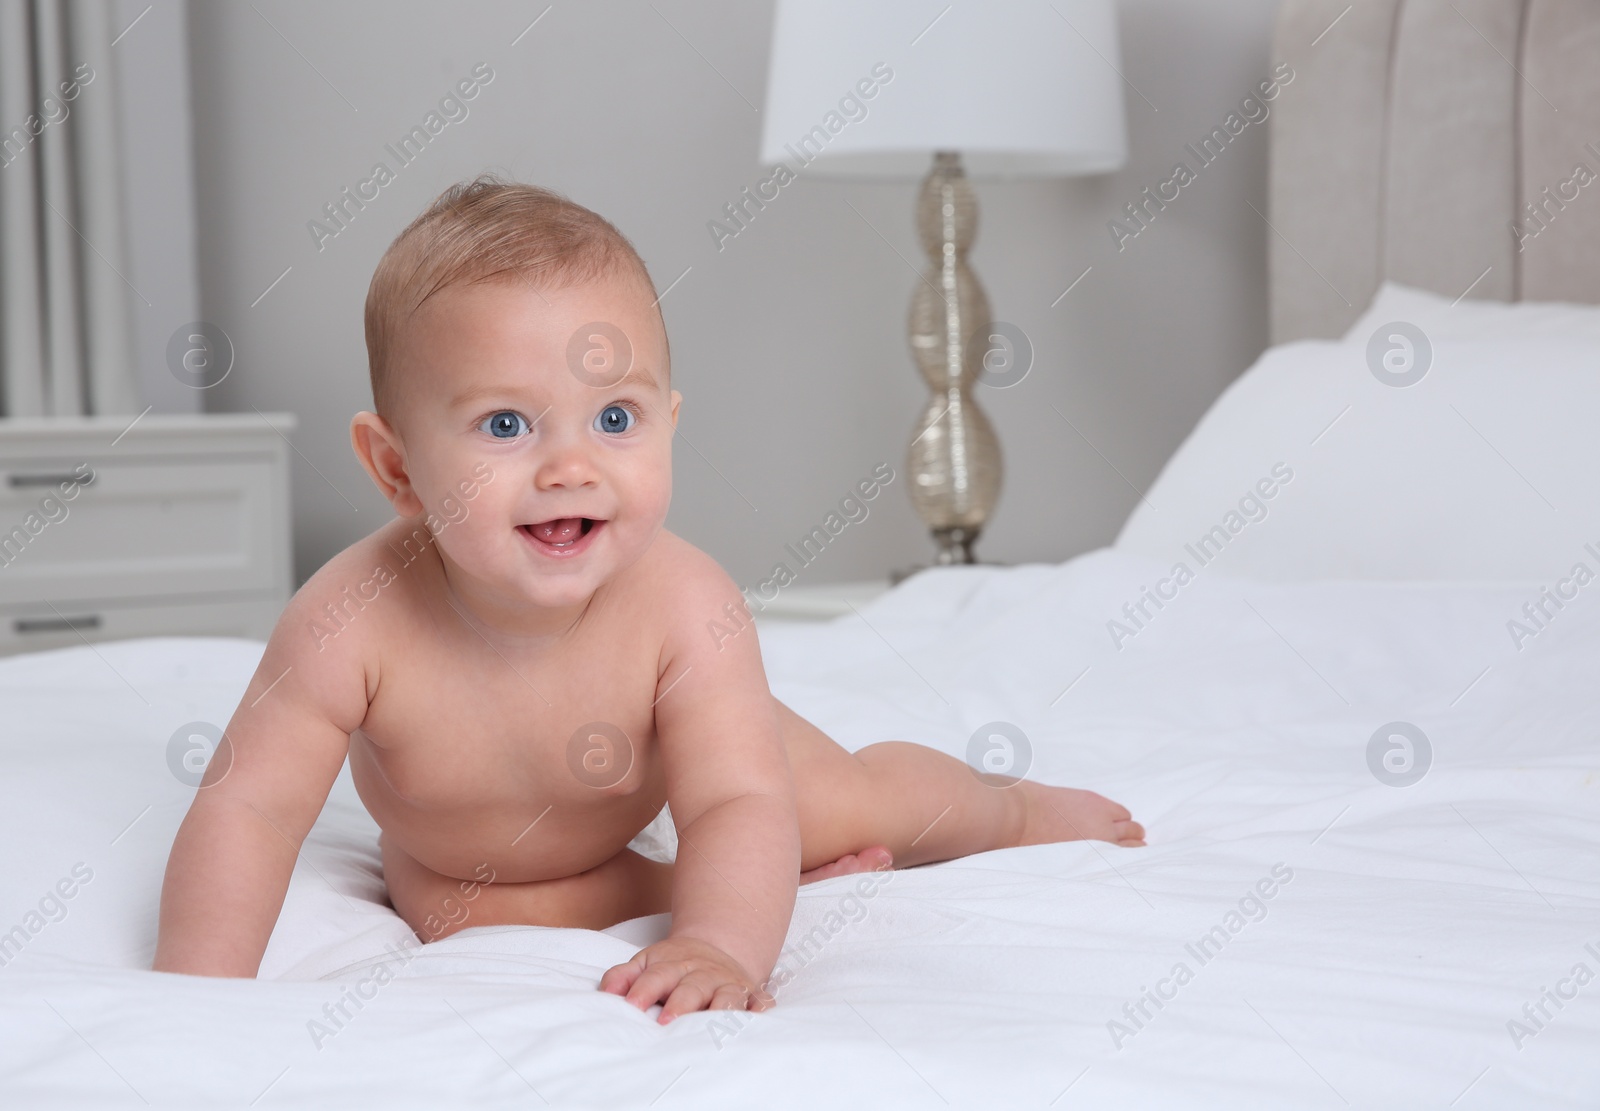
[[1445, 144]]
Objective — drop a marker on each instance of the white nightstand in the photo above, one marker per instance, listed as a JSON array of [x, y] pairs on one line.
[[821, 602], [178, 525]]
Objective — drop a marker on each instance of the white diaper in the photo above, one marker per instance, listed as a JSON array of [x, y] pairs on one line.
[[658, 840]]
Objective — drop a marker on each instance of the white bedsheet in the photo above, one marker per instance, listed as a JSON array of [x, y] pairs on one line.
[[1417, 924]]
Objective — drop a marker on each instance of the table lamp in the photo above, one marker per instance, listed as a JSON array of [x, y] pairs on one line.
[[905, 89]]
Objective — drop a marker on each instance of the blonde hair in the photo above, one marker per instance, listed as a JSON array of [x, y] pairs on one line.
[[486, 230]]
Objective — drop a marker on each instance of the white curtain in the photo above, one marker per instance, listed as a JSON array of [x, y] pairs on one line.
[[65, 302]]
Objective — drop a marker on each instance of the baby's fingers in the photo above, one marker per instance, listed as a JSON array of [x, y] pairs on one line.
[[619, 978], [693, 993], [732, 997], [655, 984]]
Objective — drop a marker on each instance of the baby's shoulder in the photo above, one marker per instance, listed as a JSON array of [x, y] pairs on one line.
[[335, 609], [673, 567], [685, 586], [328, 635]]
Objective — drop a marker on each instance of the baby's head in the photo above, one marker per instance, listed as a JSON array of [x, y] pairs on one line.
[[514, 334]]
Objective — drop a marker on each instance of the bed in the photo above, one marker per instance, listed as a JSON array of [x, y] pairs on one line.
[[1359, 725]]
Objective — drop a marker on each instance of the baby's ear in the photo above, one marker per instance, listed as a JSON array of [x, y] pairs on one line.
[[676, 397], [378, 447]]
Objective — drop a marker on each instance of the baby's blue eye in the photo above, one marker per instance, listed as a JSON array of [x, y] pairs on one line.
[[504, 425], [614, 419]]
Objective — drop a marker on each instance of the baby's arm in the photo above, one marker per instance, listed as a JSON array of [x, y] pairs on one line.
[[233, 855], [732, 797]]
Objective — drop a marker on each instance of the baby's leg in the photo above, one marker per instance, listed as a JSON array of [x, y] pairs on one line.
[[924, 805]]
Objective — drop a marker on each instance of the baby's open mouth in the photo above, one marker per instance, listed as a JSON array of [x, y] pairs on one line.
[[561, 533]]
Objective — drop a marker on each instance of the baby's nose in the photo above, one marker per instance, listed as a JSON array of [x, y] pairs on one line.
[[566, 465]]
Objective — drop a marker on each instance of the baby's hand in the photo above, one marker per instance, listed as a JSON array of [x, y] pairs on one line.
[[690, 974]]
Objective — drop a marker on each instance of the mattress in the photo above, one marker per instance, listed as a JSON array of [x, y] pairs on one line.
[[1373, 877]]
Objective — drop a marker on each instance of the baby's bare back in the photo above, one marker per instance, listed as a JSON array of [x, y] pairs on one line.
[[537, 759]]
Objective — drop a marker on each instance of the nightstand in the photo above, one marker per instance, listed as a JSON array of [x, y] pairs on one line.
[[169, 525], [821, 602]]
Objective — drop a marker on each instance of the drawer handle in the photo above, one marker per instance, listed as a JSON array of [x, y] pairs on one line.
[[73, 478], [55, 624]]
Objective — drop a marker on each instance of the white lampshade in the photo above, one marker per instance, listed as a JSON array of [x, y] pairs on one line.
[[1020, 89]]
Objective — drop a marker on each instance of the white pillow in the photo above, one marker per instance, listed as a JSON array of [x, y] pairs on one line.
[[1481, 469], [1448, 318]]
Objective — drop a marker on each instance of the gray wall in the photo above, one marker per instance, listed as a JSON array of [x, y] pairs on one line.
[[152, 93], [788, 345]]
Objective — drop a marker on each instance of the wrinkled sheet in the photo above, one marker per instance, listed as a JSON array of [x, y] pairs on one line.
[[1410, 939]]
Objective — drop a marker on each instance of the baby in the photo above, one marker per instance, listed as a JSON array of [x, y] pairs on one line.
[[522, 669]]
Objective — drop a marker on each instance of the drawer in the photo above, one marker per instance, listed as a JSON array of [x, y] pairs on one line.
[[140, 527], [35, 628]]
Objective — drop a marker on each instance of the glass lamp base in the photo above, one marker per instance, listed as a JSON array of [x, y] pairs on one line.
[[955, 545]]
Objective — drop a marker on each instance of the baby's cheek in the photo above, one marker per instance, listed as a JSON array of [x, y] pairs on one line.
[[654, 488], [488, 505], [466, 540], [650, 513]]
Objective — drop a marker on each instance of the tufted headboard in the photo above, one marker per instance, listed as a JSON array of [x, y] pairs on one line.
[[1445, 144]]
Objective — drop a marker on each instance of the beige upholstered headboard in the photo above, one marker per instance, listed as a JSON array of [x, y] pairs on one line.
[[1445, 144]]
